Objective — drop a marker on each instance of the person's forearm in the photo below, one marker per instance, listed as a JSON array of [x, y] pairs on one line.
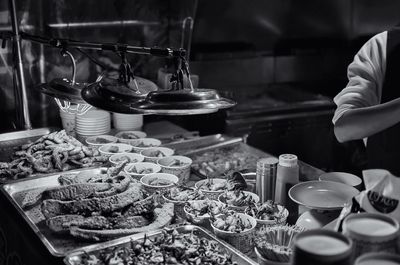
[[364, 122]]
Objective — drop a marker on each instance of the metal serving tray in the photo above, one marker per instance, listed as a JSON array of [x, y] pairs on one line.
[[10, 141], [200, 144], [238, 146], [75, 257], [307, 172], [58, 245]]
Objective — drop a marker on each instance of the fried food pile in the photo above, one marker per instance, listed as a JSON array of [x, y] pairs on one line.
[[238, 198], [53, 152], [230, 221], [171, 247], [268, 210], [223, 161], [100, 207]]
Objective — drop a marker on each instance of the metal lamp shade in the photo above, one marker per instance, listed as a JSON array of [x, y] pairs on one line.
[[182, 102], [64, 89]]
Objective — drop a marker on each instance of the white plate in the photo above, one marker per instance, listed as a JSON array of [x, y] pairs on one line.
[[94, 124], [95, 114], [93, 121], [322, 195], [93, 134], [97, 130], [93, 128], [98, 124], [342, 177]]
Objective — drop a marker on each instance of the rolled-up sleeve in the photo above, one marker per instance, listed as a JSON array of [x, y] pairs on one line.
[[366, 74]]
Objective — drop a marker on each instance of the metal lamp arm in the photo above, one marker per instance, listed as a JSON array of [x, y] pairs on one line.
[[116, 47], [65, 53]]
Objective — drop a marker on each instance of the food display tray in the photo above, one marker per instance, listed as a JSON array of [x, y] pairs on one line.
[[307, 172], [75, 257], [58, 245], [12, 140], [238, 146], [203, 143]]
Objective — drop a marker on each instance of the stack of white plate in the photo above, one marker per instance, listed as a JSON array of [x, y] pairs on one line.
[[93, 122], [125, 122]]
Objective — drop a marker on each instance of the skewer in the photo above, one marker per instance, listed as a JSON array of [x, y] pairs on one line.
[[274, 243]]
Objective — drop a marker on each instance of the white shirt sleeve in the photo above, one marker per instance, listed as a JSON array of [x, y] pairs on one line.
[[366, 75]]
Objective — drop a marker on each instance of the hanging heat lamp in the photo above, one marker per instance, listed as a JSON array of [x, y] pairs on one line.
[[180, 100], [66, 92], [129, 94], [117, 94]]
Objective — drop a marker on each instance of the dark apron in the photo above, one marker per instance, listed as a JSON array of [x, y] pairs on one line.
[[383, 148]]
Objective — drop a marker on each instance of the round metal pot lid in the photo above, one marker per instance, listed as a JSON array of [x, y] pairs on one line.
[[183, 102], [185, 95], [113, 87], [62, 88], [92, 94]]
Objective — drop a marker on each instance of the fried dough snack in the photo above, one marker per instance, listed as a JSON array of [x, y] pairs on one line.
[[53, 152]]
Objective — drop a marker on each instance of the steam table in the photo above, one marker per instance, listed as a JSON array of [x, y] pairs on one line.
[[19, 245]]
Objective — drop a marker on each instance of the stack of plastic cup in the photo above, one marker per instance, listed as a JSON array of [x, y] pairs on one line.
[[127, 122], [93, 122], [68, 122]]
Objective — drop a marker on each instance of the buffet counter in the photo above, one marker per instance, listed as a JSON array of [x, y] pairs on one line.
[[20, 242]]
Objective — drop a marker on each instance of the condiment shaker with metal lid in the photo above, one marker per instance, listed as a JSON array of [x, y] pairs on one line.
[[266, 178], [287, 175]]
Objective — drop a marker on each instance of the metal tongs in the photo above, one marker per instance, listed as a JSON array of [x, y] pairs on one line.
[[238, 179]]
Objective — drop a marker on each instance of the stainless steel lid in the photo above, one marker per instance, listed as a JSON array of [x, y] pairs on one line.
[[182, 102], [112, 95], [64, 89]]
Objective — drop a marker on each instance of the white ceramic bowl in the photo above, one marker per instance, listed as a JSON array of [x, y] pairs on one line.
[[139, 145], [146, 182], [342, 177], [202, 220], [133, 158], [282, 221], [182, 172], [211, 194], [178, 204], [138, 134], [140, 166], [122, 148], [243, 240], [149, 153], [241, 209], [108, 139]]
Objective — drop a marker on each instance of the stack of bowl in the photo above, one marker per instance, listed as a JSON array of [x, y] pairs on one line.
[[94, 122]]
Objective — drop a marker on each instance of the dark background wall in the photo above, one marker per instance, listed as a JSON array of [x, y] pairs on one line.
[[240, 47], [234, 43], [306, 41]]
